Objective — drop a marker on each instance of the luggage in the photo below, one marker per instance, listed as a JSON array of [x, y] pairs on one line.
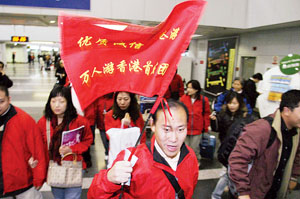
[[207, 146], [146, 103]]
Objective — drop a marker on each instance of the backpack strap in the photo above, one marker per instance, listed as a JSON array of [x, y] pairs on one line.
[[272, 138], [273, 132], [148, 144], [203, 111], [203, 105], [48, 132], [174, 183], [178, 190]]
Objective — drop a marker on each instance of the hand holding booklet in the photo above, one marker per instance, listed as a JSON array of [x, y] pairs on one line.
[[71, 137]]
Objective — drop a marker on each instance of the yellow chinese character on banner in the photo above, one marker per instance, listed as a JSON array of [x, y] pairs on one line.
[[102, 42], [163, 36], [86, 77], [148, 67], [153, 71], [135, 66], [162, 69], [120, 44], [122, 66], [108, 68], [84, 42], [135, 45], [96, 71], [174, 33]]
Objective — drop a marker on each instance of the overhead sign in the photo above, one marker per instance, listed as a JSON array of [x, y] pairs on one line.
[[71, 4], [290, 64], [19, 39], [220, 64]]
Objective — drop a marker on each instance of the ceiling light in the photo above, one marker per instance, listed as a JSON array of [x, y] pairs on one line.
[[112, 27], [195, 35], [52, 21]]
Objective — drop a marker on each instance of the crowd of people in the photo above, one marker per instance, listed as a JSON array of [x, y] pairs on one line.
[[264, 163]]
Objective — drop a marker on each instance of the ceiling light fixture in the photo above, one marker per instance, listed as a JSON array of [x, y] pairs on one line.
[[195, 35]]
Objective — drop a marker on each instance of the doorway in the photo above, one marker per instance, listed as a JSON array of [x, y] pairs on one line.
[[248, 66]]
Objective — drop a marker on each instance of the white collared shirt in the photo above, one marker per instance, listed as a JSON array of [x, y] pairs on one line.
[[171, 161]]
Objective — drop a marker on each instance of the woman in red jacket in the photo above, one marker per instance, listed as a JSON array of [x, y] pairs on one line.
[[125, 113], [198, 121], [62, 116]]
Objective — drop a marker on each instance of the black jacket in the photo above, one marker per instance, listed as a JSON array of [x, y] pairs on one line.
[[250, 92], [5, 81]]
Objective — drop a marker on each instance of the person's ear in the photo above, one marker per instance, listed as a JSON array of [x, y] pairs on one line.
[[152, 125], [286, 111]]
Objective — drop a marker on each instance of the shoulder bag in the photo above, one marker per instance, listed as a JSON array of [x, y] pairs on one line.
[[68, 174]]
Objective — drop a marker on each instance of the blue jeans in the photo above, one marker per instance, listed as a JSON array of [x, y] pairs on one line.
[[66, 193], [219, 189]]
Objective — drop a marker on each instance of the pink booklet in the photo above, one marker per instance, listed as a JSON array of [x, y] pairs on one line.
[[71, 137]]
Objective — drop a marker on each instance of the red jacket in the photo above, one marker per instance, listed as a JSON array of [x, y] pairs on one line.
[[86, 137], [90, 113], [175, 86], [21, 140], [148, 180], [104, 104], [110, 122], [196, 120]]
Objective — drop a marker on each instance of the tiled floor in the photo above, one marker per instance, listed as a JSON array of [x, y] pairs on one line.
[[30, 92]]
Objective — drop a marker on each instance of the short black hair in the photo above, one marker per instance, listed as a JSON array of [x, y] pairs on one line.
[[290, 99], [257, 76], [172, 103], [195, 85], [240, 79], [5, 90], [1, 64]]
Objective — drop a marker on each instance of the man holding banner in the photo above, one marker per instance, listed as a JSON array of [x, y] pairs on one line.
[[103, 56], [166, 168]]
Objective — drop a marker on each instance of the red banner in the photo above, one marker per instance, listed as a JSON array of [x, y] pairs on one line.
[[103, 56]]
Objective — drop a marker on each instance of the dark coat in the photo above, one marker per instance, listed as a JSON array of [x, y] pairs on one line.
[[250, 92], [61, 71], [251, 149], [223, 122]]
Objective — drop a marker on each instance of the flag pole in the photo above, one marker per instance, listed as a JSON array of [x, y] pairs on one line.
[[158, 100]]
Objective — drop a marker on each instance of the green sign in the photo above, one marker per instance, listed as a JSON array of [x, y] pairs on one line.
[[290, 64]]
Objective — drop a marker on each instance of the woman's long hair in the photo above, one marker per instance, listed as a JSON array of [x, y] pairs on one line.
[[133, 108], [70, 112]]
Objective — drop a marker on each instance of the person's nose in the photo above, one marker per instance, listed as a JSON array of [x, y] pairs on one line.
[[173, 136], [56, 104]]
